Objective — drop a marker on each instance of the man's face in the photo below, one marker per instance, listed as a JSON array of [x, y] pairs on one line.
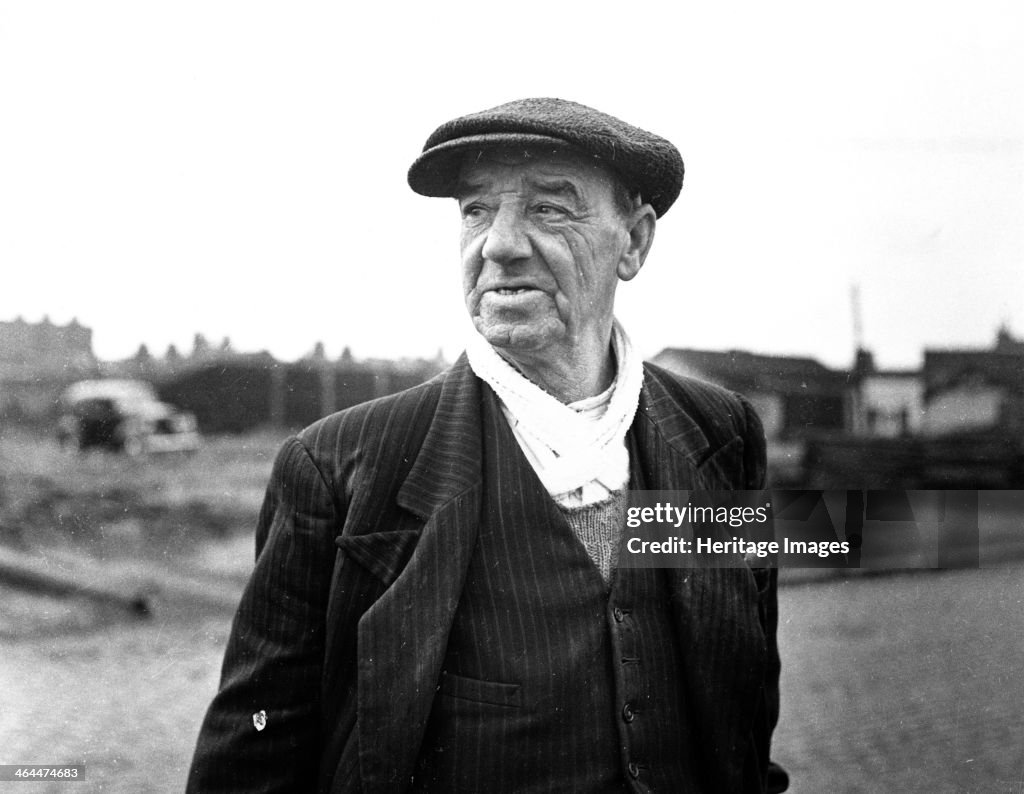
[[543, 245]]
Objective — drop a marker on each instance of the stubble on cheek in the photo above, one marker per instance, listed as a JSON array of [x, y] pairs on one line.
[[472, 266]]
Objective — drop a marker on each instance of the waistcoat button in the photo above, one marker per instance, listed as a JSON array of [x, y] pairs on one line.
[[617, 614], [633, 769], [627, 712]]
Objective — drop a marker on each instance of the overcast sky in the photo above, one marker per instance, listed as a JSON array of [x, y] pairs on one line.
[[238, 168]]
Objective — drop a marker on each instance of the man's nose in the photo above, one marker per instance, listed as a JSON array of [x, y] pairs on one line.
[[506, 238]]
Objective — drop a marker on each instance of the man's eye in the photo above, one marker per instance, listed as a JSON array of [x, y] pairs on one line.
[[472, 211], [549, 210]]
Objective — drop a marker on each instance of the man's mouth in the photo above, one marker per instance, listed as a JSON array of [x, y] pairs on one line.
[[513, 290]]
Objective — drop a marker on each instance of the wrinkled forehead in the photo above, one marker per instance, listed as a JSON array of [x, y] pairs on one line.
[[485, 168]]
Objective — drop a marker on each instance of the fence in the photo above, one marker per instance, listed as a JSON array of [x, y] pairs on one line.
[[235, 396]]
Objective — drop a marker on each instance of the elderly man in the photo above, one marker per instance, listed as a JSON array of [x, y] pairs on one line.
[[436, 604]]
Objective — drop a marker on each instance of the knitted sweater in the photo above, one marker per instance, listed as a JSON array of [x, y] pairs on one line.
[[599, 528]]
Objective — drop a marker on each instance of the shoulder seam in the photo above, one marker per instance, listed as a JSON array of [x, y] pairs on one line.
[[312, 461]]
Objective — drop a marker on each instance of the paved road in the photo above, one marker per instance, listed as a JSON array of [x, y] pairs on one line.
[[904, 683], [900, 683]]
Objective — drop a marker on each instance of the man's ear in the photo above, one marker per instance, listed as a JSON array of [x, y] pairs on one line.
[[641, 234]]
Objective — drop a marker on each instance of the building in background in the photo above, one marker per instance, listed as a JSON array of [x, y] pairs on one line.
[[29, 350], [975, 391], [956, 422], [37, 362], [797, 398], [885, 403]]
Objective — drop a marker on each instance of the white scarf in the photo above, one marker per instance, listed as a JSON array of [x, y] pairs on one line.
[[578, 451]]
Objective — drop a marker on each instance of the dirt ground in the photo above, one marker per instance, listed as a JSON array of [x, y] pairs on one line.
[[126, 701], [891, 683], [84, 680]]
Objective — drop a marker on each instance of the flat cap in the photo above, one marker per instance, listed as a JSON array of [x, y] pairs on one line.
[[646, 163]]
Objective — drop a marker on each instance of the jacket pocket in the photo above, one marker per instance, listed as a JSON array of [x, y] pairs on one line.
[[494, 693]]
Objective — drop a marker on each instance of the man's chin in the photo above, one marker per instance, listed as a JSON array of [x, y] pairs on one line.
[[513, 338]]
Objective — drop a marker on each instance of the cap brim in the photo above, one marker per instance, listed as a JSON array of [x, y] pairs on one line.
[[436, 171]]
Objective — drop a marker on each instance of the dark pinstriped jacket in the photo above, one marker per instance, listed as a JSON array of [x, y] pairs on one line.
[[363, 544]]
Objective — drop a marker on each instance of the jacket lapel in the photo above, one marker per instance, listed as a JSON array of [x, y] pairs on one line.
[[715, 608], [403, 637], [670, 441]]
